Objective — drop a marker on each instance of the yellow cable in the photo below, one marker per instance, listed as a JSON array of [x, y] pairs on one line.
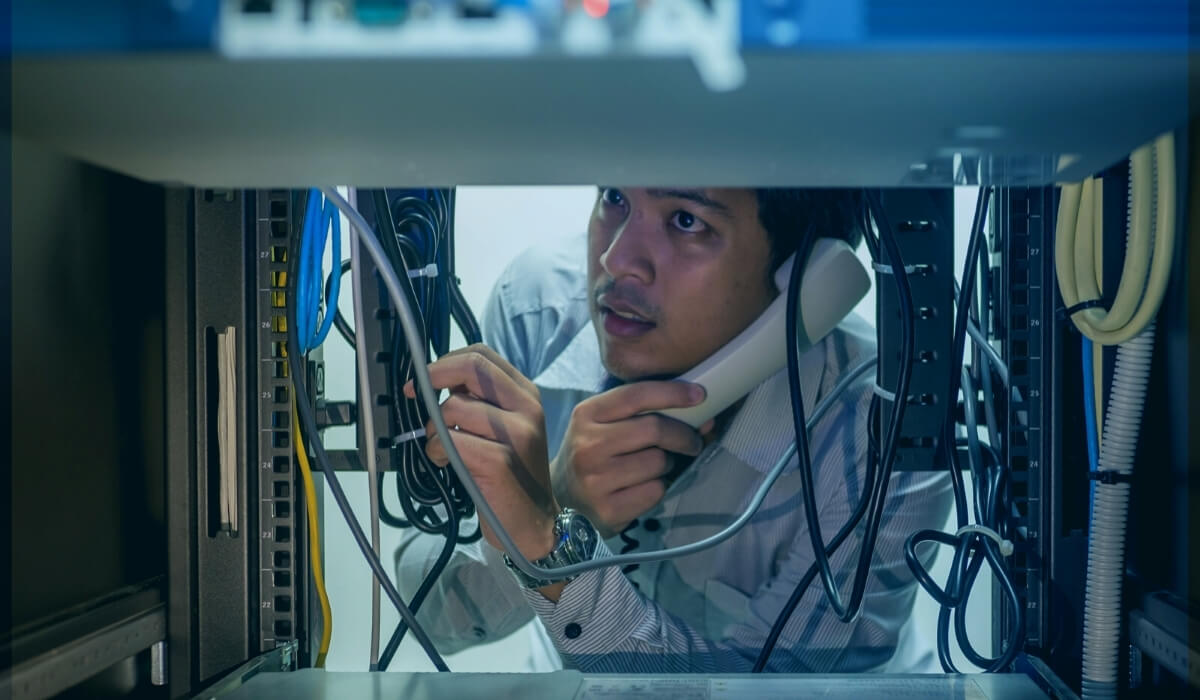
[[1064, 241], [314, 538], [1137, 251], [1075, 240]]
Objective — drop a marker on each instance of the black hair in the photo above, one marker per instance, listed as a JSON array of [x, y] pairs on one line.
[[787, 214]]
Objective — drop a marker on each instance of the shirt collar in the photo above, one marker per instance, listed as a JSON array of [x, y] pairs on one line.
[[760, 432], [578, 366], [762, 429]]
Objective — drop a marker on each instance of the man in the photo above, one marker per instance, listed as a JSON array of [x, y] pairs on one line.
[[557, 410]]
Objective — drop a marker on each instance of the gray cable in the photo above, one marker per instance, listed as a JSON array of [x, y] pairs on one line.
[[430, 396], [367, 416], [988, 351], [844, 383]]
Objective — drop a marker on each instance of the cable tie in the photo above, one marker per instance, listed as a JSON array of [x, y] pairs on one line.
[[405, 437], [885, 394], [430, 270], [884, 269], [1067, 312], [1006, 546], [1110, 476]]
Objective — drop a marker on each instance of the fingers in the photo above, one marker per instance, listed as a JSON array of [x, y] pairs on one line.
[[482, 378], [653, 430], [490, 422], [627, 504], [471, 448], [503, 364], [641, 397], [497, 468], [631, 470]]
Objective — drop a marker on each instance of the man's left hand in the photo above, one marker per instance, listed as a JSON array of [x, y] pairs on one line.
[[496, 423]]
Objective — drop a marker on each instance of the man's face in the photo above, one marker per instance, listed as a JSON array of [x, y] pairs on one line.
[[673, 274]]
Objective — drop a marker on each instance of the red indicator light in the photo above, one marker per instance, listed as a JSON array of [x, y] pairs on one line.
[[595, 8]]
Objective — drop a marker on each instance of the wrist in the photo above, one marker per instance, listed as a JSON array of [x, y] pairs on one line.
[[539, 543], [540, 540], [553, 592], [571, 540]]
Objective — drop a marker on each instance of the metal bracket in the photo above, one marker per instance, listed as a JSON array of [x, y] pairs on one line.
[[1169, 651], [67, 666], [331, 413], [158, 663], [281, 658]]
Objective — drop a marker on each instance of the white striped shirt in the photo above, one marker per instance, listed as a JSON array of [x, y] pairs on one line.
[[711, 611]]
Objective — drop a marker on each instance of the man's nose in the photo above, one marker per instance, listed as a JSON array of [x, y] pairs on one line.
[[629, 254]]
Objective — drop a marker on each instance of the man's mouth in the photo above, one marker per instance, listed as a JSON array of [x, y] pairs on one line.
[[624, 323]]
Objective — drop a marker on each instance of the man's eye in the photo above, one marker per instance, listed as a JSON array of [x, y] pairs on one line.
[[687, 222], [613, 196]]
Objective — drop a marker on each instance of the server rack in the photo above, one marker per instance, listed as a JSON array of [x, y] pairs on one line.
[[241, 588], [1046, 431], [923, 223]]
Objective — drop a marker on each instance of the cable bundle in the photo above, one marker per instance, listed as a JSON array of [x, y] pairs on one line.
[[402, 293], [308, 423], [973, 543], [418, 235], [874, 495], [421, 241], [429, 395], [987, 539], [313, 317], [320, 217], [1128, 323]]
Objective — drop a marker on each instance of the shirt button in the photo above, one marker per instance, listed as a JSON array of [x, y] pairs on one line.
[[573, 630], [651, 524]]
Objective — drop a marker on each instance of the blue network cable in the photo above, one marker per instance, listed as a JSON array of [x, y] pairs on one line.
[[320, 216], [1089, 417]]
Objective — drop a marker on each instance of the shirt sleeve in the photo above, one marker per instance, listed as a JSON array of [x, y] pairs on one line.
[[503, 330], [537, 306], [603, 624], [475, 600]]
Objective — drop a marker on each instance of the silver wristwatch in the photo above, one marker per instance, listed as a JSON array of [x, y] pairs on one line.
[[575, 542]]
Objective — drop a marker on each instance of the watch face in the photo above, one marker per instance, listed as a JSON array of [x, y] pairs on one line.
[[583, 535]]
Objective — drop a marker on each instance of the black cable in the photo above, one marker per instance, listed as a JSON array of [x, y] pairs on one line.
[[451, 538], [808, 487], [869, 236], [385, 513], [990, 502], [974, 452], [629, 543], [442, 304], [309, 425], [986, 548], [801, 588], [413, 231], [339, 321], [847, 611], [948, 456], [878, 493]]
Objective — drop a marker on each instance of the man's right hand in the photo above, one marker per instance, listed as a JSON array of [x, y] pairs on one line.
[[616, 451]]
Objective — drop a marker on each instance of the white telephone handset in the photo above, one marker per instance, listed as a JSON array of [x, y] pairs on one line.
[[834, 282]]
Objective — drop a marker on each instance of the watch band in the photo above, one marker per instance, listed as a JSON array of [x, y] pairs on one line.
[[575, 539]]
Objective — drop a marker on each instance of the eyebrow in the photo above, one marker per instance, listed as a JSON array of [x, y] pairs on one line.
[[696, 196]]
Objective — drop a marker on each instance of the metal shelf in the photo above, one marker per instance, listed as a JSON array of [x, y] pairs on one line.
[[311, 683], [820, 118]]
